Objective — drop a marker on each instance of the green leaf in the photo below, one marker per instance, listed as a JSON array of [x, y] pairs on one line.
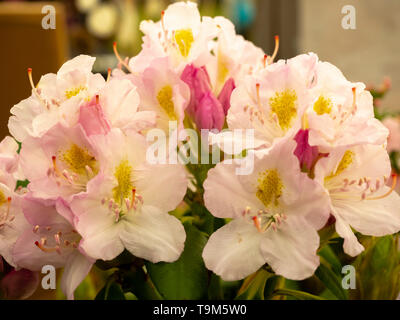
[[22, 184], [254, 285], [111, 291], [139, 283], [300, 295], [124, 259], [187, 278], [330, 256], [331, 280]]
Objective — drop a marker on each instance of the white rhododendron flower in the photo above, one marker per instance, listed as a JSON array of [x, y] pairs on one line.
[[273, 100], [276, 211], [56, 98], [359, 197], [126, 206], [51, 239], [181, 34], [341, 113]]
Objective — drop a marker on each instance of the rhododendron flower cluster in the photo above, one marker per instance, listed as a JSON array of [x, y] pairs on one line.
[[319, 159]]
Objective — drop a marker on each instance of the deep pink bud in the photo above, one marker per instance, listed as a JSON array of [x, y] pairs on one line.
[[306, 154], [19, 284], [209, 113], [205, 109], [225, 94]]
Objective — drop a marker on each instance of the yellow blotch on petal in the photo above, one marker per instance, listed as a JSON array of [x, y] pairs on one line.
[[184, 40], [222, 69], [270, 188], [164, 98], [344, 163], [78, 158], [283, 104], [3, 198], [322, 106], [73, 92], [123, 174]]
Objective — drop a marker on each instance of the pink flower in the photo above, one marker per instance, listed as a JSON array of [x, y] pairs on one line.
[[273, 99], [51, 239], [393, 142], [92, 119], [276, 211], [127, 205], [341, 113], [60, 163], [225, 95], [355, 180], [304, 152], [55, 99], [162, 92], [205, 109]]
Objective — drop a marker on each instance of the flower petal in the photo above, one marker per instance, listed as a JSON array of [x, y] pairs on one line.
[[233, 251], [153, 235], [291, 250]]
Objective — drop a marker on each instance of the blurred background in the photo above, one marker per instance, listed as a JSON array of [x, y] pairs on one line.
[[369, 52]]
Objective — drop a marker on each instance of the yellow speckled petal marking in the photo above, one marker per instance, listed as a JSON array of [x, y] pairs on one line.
[[269, 188], [283, 104]]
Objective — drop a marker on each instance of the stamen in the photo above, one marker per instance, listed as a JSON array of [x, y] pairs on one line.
[[97, 99], [133, 198], [108, 74], [394, 182], [354, 101], [265, 59], [122, 62], [258, 93], [35, 229], [30, 79], [275, 50], [35, 89]]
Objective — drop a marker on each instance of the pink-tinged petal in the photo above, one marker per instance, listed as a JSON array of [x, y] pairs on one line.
[[304, 152], [291, 250], [40, 212], [393, 125], [233, 251], [64, 210], [152, 181], [92, 119], [225, 196], [19, 284], [377, 218], [225, 95], [153, 235], [105, 244], [76, 269], [83, 63], [351, 245], [28, 255]]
